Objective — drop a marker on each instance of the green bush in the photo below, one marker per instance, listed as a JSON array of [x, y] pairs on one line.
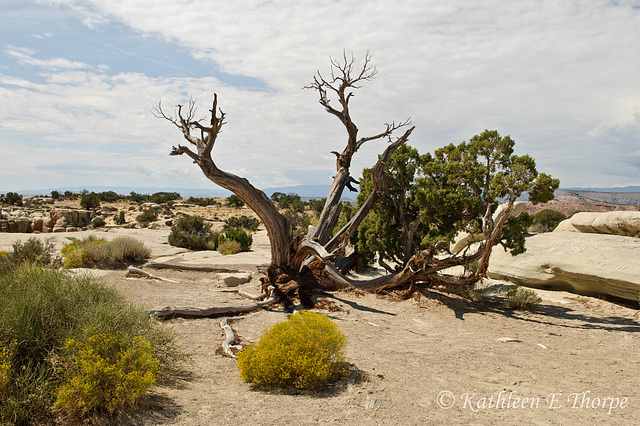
[[164, 197], [229, 247], [42, 309], [306, 351], [119, 219], [239, 235], [248, 223], [547, 220], [202, 201], [148, 216], [93, 252], [194, 233], [522, 298], [98, 222], [32, 251], [109, 371], [90, 201], [12, 198], [234, 201], [109, 196]]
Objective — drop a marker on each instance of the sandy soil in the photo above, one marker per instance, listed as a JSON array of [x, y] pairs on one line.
[[435, 358]]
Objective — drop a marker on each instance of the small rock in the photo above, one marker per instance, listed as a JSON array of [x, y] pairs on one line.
[[232, 279]]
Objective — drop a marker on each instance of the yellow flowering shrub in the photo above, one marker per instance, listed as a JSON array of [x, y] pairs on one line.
[[108, 371], [5, 367], [306, 351], [74, 254]]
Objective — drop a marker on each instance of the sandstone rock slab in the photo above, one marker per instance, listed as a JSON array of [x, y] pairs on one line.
[[623, 223], [584, 263]]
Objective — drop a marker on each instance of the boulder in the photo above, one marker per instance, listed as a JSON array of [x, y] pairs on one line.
[[583, 263], [623, 223], [232, 279], [22, 224]]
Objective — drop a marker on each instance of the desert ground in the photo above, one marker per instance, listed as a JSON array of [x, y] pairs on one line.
[[436, 358]]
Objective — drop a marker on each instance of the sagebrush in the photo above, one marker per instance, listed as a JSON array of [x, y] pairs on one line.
[[194, 233], [43, 309], [33, 251]]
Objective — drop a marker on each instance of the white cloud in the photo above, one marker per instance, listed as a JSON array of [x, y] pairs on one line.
[[26, 56], [551, 74]]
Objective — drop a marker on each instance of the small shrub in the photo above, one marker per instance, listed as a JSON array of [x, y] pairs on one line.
[[98, 222], [229, 247], [12, 198], [93, 252], [547, 220], [148, 216], [107, 371], [306, 351], [522, 298], [90, 201], [74, 254], [239, 235], [476, 292], [234, 201], [164, 197], [119, 219], [109, 196], [248, 223], [33, 251], [194, 233], [203, 201]]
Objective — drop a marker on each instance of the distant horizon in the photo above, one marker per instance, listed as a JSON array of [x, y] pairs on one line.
[[309, 191]]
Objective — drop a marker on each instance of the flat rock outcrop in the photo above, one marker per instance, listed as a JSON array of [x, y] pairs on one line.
[[56, 220], [584, 263], [624, 223]]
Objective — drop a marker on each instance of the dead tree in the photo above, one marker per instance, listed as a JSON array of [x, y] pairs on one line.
[[307, 261]]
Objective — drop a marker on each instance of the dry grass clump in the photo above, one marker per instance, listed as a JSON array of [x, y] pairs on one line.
[[522, 298], [94, 252]]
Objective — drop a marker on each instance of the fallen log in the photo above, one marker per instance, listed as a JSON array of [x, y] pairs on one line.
[[189, 312], [230, 337], [133, 271], [154, 265], [244, 293]]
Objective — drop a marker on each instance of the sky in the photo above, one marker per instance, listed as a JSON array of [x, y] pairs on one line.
[[79, 80]]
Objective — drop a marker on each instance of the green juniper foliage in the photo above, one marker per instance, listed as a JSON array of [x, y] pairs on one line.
[[431, 197]]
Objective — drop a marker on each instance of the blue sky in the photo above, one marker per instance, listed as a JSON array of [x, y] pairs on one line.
[[78, 81]]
